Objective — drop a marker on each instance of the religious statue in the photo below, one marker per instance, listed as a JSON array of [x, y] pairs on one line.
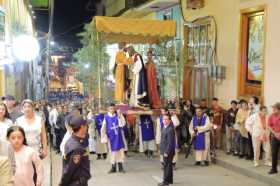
[[139, 91], [121, 73], [152, 81]]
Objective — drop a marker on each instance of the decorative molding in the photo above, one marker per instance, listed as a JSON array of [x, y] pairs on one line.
[[245, 88], [195, 4]]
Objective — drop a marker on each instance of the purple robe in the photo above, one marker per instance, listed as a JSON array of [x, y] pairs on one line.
[[98, 122], [114, 132], [161, 122], [147, 128], [199, 142]]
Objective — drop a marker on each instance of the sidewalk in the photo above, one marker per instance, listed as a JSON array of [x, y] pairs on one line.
[[246, 168]]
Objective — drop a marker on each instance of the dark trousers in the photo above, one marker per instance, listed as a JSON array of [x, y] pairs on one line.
[[168, 169], [250, 147], [50, 136], [131, 136], [243, 144], [58, 136], [275, 146]]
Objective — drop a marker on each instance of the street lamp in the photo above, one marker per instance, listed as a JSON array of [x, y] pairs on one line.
[[25, 48], [52, 43], [87, 66]]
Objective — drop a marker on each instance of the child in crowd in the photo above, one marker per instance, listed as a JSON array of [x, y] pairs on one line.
[[26, 159]]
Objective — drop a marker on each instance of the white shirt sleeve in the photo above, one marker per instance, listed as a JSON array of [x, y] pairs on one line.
[[104, 137], [191, 131], [175, 120], [64, 140], [158, 131], [122, 122], [137, 66], [249, 123]]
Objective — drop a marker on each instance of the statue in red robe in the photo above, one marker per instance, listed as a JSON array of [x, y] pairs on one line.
[[152, 82]]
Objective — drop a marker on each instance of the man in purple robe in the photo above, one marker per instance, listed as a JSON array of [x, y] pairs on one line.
[[101, 148], [200, 130], [146, 135], [111, 133]]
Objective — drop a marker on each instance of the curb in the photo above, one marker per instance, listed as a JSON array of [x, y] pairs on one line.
[[243, 171]]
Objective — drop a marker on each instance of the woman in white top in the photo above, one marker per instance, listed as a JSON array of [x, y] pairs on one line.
[[257, 125], [34, 128], [5, 122]]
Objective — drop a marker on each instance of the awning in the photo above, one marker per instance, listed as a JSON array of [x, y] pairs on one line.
[[119, 29], [40, 3]]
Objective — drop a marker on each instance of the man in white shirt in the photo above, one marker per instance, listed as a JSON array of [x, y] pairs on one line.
[[52, 120]]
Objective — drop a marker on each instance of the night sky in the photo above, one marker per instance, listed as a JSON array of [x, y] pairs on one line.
[[69, 16]]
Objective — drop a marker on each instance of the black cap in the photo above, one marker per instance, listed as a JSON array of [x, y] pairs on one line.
[[77, 121]]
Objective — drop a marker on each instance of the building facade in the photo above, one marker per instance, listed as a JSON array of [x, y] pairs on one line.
[[246, 46], [17, 77]]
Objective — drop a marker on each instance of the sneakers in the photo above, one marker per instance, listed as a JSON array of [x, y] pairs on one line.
[[256, 164], [235, 154], [269, 164]]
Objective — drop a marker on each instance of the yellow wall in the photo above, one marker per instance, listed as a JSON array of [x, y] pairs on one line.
[[2, 81], [227, 15]]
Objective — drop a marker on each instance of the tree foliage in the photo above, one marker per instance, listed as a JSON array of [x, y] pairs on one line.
[[87, 61]]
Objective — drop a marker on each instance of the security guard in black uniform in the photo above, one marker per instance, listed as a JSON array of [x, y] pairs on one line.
[[76, 169]]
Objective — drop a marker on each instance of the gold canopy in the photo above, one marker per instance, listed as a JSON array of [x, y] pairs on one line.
[[119, 29]]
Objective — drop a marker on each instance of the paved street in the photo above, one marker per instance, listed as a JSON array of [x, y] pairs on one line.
[[143, 172]]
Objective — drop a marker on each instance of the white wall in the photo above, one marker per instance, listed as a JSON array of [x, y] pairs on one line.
[[227, 15]]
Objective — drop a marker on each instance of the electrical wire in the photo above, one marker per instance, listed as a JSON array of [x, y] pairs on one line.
[[72, 28]]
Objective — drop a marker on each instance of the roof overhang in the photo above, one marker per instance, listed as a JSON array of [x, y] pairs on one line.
[[120, 29], [40, 4], [149, 7]]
